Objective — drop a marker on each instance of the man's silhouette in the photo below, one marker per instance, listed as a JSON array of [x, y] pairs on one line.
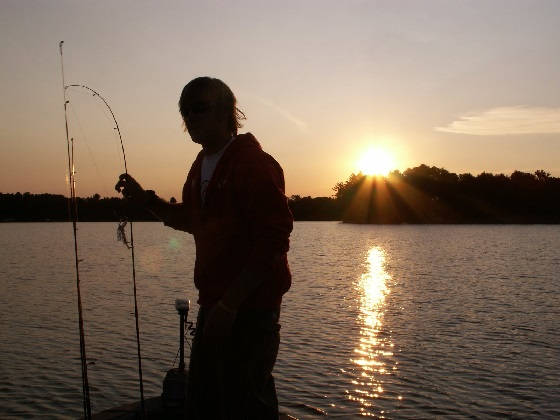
[[235, 207]]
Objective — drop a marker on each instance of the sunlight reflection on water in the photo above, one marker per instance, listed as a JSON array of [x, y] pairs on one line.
[[373, 348]]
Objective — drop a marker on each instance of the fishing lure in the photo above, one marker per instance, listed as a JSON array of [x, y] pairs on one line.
[[121, 233]]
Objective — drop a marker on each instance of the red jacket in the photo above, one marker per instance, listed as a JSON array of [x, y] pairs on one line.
[[244, 224]]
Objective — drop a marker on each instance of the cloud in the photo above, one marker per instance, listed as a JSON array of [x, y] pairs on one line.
[[507, 120], [285, 113]]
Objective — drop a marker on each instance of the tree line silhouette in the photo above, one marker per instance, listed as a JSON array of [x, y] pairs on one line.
[[433, 195], [422, 194], [28, 207]]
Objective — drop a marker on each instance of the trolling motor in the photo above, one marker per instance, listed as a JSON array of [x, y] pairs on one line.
[[175, 382]]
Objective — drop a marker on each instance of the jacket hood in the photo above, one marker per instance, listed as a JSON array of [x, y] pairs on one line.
[[243, 142], [246, 140]]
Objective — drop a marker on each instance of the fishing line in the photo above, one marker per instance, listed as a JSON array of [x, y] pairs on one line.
[[85, 142], [72, 107], [70, 146], [116, 149]]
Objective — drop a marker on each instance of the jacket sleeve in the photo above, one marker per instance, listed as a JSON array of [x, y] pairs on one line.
[[177, 217], [269, 218]]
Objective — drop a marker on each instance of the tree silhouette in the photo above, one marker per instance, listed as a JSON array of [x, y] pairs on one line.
[[422, 194]]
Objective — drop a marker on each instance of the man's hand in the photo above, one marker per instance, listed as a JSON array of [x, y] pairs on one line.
[[218, 326], [131, 189]]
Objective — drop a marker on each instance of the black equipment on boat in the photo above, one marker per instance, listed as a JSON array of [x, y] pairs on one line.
[[175, 382]]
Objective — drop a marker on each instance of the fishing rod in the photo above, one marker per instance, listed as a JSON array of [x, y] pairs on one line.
[[72, 207], [120, 235]]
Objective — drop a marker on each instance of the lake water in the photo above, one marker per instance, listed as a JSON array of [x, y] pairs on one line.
[[381, 321]]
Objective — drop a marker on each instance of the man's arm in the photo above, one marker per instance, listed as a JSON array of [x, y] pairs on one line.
[[173, 215]]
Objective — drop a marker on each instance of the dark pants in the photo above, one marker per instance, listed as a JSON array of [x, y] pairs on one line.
[[235, 381]]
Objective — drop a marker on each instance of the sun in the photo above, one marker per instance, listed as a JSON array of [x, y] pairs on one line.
[[376, 162]]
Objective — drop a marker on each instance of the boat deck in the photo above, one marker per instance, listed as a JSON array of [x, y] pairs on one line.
[[155, 409]]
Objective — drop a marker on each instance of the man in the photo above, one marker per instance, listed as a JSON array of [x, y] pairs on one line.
[[235, 207]]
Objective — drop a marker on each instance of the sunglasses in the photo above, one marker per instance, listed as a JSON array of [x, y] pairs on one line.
[[199, 108]]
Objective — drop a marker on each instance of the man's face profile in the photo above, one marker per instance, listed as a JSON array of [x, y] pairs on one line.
[[203, 117]]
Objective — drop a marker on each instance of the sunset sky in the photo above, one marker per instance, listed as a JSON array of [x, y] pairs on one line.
[[470, 86]]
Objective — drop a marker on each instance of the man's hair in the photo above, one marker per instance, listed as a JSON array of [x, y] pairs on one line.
[[226, 100]]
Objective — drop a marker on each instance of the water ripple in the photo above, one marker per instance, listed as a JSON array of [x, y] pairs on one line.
[[381, 321]]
